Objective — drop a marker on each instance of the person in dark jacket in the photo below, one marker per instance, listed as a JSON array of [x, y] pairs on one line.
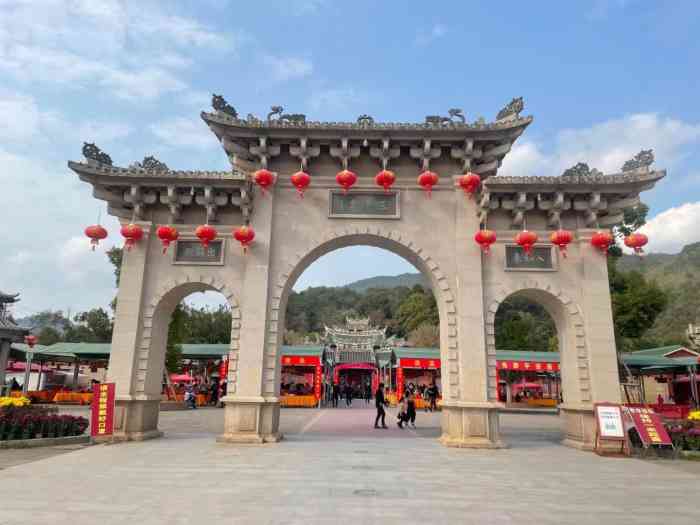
[[380, 402]]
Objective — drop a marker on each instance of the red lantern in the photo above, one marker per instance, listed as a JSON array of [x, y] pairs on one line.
[[244, 235], [132, 233], [526, 240], [427, 180], [346, 179], [636, 241], [385, 179], [264, 178], [96, 233], [167, 234], [485, 238], [470, 182], [301, 181], [206, 234], [602, 240], [561, 238], [30, 340]]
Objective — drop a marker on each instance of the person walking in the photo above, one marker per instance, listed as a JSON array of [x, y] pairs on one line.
[[433, 395], [411, 409], [380, 403], [336, 395], [403, 410], [368, 393], [214, 392], [348, 395]]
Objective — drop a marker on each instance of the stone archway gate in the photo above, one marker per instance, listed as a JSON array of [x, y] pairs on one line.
[[435, 234]]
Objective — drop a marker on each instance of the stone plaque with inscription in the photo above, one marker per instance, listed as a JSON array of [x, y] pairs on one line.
[[193, 252], [540, 259], [364, 204]]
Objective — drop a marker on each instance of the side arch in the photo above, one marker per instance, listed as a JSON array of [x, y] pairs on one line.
[[393, 241], [570, 332], [156, 317]]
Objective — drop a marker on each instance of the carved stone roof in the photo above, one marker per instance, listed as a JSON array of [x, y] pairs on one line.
[[627, 177], [95, 168]]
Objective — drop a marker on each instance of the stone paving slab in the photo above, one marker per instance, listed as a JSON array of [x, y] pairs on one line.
[[334, 469]]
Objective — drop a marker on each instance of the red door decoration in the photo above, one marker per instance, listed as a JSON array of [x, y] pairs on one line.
[[427, 180], [385, 179], [346, 179], [205, 233], [301, 181], [264, 178], [470, 182], [485, 238], [96, 233], [526, 240], [132, 233], [602, 240], [636, 241], [561, 238], [167, 234], [244, 235]]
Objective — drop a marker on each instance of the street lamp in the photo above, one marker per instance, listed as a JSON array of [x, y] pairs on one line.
[[30, 341]]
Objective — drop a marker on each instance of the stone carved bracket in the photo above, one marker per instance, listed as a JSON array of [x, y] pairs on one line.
[[518, 206], [466, 154], [264, 151], [211, 200], [425, 153], [345, 152], [304, 151], [384, 153]]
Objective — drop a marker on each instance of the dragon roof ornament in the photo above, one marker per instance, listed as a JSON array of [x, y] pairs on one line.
[[92, 152]]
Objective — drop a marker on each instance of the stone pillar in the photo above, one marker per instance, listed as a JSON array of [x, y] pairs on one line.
[[4, 358], [600, 382], [249, 415], [470, 420], [136, 414], [76, 372]]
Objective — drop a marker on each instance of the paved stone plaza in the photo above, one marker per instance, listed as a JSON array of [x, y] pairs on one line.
[[333, 468]]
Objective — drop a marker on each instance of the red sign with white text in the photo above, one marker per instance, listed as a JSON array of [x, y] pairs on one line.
[[528, 366], [301, 360], [102, 417], [317, 381], [409, 362], [649, 426]]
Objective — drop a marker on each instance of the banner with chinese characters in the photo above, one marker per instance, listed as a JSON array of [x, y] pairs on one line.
[[399, 382], [223, 368], [528, 366], [102, 416], [300, 360], [317, 381], [649, 426], [410, 362]]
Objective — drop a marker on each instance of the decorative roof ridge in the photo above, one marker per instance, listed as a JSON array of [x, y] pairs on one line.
[[96, 168], [639, 175], [255, 123]]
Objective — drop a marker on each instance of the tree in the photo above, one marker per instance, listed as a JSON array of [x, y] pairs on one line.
[[115, 256], [49, 335], [418, 308], [93, 326], [632, 219], [425, 335], [176, 336], [522, 324]]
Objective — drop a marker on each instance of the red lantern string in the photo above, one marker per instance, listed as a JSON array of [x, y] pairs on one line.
[[301, 181], [132, 233], [526, 240], [206, 234], [385, 179], [561, 238], [264, 178], [470, 182], [602, 240], [636, 241], [427, 180], [167, 234], [245, 235], [485, 238], [96, 233], [346, 179]]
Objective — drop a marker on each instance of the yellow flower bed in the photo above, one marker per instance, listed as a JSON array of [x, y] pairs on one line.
[[14, 401], [694, 415]]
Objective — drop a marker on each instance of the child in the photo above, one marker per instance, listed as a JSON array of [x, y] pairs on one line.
[[403, 411]]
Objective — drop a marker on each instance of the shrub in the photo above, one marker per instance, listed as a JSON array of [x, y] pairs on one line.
[[16, 424]]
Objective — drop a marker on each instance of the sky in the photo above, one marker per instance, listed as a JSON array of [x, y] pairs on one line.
[[603, 80]]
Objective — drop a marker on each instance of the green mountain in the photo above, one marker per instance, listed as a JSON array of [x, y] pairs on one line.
[[389, 281], [679, 275]]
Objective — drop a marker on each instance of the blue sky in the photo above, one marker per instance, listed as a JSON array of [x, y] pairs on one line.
[[603, 80]]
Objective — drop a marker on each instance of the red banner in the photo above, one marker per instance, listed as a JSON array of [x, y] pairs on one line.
[[317, 382], [399, 381], [223, 368], [301, 360], [407, 362], [102, 417], [649, 426], [528, 366]]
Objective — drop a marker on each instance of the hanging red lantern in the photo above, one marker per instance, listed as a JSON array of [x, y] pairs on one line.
[[30, 340], [526, 240], [167, 234], [385, 179], [602, 240], [245, 235], [132, 233], [561, 238], [470, 182], [427, 180], [264, 178], [301, 181], [96, 233], [346, 179], [636, 241], [205, 234], [485, 238]]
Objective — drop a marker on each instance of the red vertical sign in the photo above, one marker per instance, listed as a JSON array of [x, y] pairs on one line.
[[317, 382], [102, 408], [399, 382], [649, 426], [223, 368]]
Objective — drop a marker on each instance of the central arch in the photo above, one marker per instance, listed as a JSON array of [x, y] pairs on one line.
[[378, 238]]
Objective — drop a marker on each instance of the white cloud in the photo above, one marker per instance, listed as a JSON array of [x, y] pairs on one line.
[[184, 132], [335, 100], [605, 146], [19, 117], [425, 37], [672, 229], [287, 68]]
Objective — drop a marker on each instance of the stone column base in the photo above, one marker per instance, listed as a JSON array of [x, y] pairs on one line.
[[135, 420], [471, 425], [578, 425], [253, 420]]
